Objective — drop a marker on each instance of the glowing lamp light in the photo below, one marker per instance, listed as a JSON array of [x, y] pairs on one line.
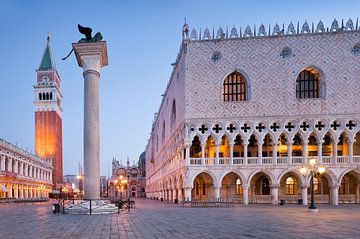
[[312, 161], [321, 169], [303, 171], [121, 177], [116, 181]]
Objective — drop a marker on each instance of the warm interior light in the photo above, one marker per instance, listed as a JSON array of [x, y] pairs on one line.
[[121, 177], [321, 169], [312, 161], [116, 181], [303, 170]]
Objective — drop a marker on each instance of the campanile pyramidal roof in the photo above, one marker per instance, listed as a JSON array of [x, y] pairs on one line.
[[47, 62]]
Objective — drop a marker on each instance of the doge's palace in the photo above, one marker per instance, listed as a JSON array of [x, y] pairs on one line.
[[246, 108]]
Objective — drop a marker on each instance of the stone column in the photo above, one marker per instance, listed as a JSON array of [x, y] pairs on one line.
[[16, 166], [289, 153], [260, 144], [231, 160], [245, 153], [187, 154], [16, 191], [275, 194], [304, 195], [275, 152], [350, 150], [245, 189], [9, 166], [188, 194], [217, 193], [174, 195], [91, 57], [10, 188], [179, 195], [304, 153], [203, 144], [334, 145], [217, 144], [2, 163], [335, 195], [320, 152], [21, 191]]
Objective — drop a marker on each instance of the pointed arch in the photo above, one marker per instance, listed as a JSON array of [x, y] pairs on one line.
[[235, 87], [310, 83]]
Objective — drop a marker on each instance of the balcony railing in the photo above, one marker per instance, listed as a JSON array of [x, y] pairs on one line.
[[295, 160]]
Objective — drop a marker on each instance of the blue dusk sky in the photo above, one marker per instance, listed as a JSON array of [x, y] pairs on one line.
[[143, 39]]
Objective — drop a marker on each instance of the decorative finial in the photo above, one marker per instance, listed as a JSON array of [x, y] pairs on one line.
[[49, 36]]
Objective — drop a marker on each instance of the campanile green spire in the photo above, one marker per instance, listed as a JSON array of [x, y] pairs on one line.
[[47, 62]]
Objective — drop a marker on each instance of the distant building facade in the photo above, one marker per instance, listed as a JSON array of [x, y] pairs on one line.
[[127, 180], [48, 115], [103, 186], [22, 174], [245, 110]]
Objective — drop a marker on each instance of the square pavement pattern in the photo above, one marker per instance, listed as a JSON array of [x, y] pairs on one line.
[[154, 219]]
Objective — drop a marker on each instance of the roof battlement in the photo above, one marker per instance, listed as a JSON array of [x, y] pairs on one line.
[[250, 32]]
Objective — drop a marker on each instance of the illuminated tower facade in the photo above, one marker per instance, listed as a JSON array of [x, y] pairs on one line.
[[48, 121]]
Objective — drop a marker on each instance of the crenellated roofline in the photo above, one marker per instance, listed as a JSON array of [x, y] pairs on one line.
[[262, 31]]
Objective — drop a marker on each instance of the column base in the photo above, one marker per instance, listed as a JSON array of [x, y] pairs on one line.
[[313, 210]]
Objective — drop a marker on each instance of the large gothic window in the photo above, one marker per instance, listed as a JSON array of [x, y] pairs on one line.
[[308, 84], [234, 87]]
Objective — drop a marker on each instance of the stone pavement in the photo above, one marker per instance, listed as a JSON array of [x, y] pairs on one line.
[[154, 219]]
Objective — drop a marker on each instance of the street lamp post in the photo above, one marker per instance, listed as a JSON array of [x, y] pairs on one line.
[[313, 170]]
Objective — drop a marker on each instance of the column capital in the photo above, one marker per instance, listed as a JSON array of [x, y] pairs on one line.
[[91, 55]]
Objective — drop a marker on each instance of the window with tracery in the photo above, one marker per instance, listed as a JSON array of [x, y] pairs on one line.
[[290, 185], [308, 84], [234, 87], [238, 188]]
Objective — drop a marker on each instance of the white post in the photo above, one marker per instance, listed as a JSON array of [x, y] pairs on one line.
[[260, 152], [231, 145], [350, 150], [217, 144], [289, 152], [203, 144], [275, 194], [245, 194], [275, 152], [304, 195], [320, 152], [304, 152], [217, 193], [91, 57], [245, 146], [180, 195], [187, 154], [2, 163], [334, 152], [188, 194], [335, 195]]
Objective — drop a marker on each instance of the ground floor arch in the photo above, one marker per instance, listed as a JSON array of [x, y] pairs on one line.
[[203, 187]]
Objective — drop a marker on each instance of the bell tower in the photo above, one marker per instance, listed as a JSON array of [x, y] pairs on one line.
[[48, 121]]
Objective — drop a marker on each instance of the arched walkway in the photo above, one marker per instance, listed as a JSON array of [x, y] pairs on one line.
[[259, 191], [349, 188], [203, 188], [231, 188]]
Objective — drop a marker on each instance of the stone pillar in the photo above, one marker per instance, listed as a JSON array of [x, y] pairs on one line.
[[231, 145], [245, 153], [275, 152], [334, 145], [217, 144], [174, 195], [9, 166], [304, 153], [203, 144], [274, 194], [217, 193], [10, 188], [180, 195], [2, 163], [320, 152], [350, 150], [16, 191], [245, 189], [26, 192], [187, 154], [91, 57], [16, 166], [357, 193], [289, 152], [21, 191], [188, 193], [304, 195], [335, 195], [260, 144]]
